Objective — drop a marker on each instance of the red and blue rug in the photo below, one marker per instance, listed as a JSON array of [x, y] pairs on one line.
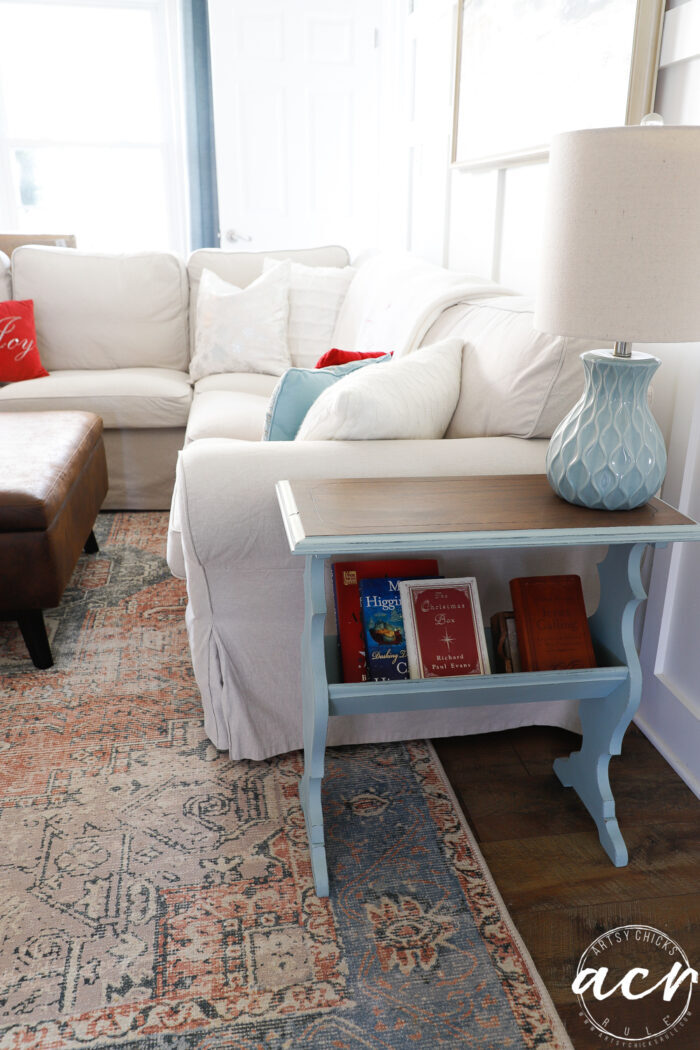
[[155, 894]]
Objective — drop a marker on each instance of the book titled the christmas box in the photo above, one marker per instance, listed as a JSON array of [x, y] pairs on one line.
[[444, 629], [346, 588], [550, 617], [385, 643]]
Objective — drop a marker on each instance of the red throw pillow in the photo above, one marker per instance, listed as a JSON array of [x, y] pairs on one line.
[[341, 357], [19, 357]]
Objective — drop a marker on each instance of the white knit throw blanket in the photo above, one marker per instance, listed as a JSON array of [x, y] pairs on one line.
[[394, 299]]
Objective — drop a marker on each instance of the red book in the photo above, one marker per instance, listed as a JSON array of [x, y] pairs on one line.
[[346, 580], [444, 629], [550, 618]]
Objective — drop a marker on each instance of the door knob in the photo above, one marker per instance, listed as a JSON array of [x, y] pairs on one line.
[[234, 235]]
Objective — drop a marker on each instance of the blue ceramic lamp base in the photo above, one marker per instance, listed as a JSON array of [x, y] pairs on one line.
[[609, 453]]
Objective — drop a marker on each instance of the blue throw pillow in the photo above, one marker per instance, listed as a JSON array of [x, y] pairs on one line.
[[296, 392]]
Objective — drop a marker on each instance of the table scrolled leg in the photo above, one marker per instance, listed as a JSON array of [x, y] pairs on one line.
[[604, 721], [315, 701]]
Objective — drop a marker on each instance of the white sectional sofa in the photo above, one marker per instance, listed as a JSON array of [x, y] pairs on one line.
[[116, 334], [245, 589], [112, 331]]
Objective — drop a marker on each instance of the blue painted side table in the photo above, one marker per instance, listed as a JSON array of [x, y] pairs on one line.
[[364, 517]]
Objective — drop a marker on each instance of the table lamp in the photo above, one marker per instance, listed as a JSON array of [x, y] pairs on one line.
[[621, 263]]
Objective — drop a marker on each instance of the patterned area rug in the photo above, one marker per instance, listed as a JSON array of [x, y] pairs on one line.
[[153, 893]]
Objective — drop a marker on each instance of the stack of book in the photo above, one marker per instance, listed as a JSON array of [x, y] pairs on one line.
[[399, 619]]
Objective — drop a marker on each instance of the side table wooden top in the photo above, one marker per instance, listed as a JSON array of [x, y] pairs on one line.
[[343, 515]]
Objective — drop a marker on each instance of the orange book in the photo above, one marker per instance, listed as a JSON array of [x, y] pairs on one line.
[[551, 623]]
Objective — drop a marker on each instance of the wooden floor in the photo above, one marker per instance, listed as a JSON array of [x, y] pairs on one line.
[[543, 851]]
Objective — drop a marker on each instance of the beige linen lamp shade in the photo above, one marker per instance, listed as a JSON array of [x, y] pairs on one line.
[[621, 254], [621, 263]]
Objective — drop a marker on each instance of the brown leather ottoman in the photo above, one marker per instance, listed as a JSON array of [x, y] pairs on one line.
[[53, 479]]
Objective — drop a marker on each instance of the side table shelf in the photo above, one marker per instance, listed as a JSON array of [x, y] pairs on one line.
[[321, 520], [474, 690], [359, 698]]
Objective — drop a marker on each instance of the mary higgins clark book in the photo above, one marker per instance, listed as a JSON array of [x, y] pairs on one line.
[[346, 590], [382, 621]]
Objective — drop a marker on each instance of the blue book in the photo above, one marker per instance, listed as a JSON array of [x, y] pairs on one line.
[[382, 623]]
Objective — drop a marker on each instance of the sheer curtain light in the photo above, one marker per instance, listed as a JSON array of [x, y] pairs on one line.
[[92, 137]]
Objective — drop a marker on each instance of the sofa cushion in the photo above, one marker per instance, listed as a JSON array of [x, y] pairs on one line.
[[226, 414], [19, 354], [515, 381], [241, 268], [296, 392], [242, 329], [240, 382], [123, 397], [105, 311], [412, 397], [316, 294]]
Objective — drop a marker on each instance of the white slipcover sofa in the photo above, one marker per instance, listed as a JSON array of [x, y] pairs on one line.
[[116, 334], [245, 590], [112, 331]]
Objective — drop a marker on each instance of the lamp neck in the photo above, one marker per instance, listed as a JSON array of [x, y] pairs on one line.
[[622, 350]]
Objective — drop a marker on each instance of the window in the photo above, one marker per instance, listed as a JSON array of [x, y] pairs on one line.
[[91, 125], [550, 66]]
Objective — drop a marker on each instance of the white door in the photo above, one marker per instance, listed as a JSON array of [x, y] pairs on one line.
[[296, 98]]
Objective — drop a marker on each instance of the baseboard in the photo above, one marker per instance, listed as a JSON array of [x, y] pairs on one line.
[[674, 762]]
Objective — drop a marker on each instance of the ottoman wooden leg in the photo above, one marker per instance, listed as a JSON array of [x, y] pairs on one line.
[[91, 544], [31, 624]]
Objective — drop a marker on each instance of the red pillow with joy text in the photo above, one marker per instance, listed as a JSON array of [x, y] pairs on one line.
[[19, 356], [341, 357]]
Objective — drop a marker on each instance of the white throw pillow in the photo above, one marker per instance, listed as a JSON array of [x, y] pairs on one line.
[[242, 329], [316, 294], [516, 381], [413, 397]]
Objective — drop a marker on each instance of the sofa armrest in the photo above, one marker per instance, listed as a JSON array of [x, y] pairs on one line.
[[225, 500], [245, 589]]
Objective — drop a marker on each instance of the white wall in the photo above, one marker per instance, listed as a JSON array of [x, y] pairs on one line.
[[492, 210], [670, 711]]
